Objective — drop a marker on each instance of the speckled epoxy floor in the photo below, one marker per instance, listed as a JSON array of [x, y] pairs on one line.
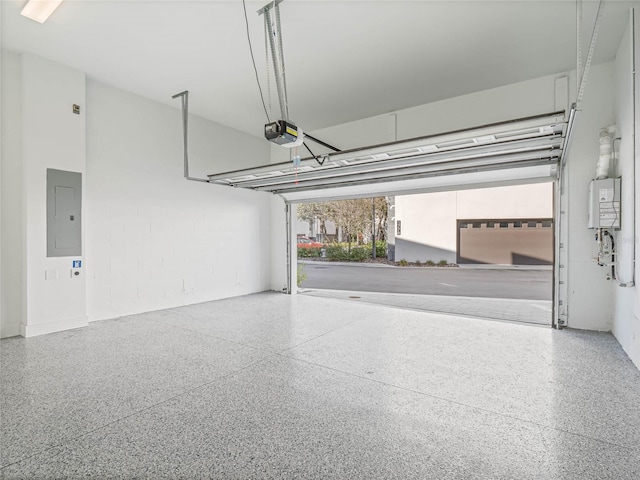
[[273, 386]]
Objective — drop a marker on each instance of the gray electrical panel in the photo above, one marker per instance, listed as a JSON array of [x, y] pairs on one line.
[[604, 203], [64, 212]]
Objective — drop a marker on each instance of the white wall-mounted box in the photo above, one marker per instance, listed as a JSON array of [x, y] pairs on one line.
[[604, 203]]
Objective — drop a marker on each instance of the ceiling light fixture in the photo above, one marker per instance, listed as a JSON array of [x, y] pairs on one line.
[[40, 10]]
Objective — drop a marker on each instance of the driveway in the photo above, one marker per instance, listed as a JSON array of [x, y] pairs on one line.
[[511, 283], [507, 309]]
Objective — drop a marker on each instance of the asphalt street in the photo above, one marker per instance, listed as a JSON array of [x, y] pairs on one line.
[[465, 282]]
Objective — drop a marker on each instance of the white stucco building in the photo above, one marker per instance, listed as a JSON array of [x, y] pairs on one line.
[[516, 221]]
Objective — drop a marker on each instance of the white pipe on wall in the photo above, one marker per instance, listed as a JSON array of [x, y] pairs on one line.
[[604, 160]]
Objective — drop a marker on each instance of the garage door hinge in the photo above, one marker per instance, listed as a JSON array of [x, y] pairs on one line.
[[562, 245], [561, 282], [560, 266]]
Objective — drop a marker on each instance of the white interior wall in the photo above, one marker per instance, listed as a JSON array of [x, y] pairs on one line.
[[151, 239], [589, 298], [626, 321], [11, 215], [278, 254], [590, 303], [1, 226], [39, 131], [52, 137], [532, 97], [154, 239]]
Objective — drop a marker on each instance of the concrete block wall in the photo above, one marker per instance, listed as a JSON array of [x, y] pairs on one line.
[[626, 307], [156, 240], [152, 239]]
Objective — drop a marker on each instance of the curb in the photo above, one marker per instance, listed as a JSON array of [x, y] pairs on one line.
[[350, 264], [422, 296], [464, 267]]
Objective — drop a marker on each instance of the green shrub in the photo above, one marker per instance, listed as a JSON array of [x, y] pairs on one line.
[[340, 251], [359, 253], [381, 248], [443, 263], [430, 263], [335, 251], [418, 262], [308, 252], [301, 275], [403, 263]]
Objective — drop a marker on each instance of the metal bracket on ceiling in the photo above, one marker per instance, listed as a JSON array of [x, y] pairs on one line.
[[184, 97], [269, 6], [273, 32], [274, 39]]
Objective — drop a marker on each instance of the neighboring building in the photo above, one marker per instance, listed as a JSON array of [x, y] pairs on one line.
[[313, 230], [501, 225]]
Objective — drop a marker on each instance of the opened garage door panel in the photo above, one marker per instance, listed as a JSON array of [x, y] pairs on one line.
[[442, 183], [525, 150]]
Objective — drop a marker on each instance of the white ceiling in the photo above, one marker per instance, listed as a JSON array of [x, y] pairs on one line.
[[345, 60]]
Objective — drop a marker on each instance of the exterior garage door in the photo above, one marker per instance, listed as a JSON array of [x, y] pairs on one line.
[[525, 150], [505, 241]]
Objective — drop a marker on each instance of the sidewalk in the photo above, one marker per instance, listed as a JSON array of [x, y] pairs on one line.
[[536, 312], [464, 266], [348, 264]]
